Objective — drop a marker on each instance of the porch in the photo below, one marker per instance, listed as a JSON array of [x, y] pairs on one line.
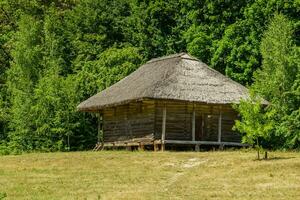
[[157, 124]]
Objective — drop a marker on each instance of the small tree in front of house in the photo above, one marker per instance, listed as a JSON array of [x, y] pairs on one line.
[[255, 123]]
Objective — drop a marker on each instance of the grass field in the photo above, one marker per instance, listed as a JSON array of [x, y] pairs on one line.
[[150, 175]]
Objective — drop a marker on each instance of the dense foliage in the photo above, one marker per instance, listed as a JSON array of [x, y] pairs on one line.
[[276, 124], [54, 54]]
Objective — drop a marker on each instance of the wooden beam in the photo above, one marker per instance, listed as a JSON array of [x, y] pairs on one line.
[[163, 134], [99, 127], [141, 146], [220, 126], [193, 124], [202, 127], [197, 147], [188, 142]]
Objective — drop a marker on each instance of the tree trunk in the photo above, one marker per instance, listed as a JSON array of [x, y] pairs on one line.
[[257, 146]]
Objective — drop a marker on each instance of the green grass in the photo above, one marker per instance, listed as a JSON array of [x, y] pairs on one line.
[[150, 175]]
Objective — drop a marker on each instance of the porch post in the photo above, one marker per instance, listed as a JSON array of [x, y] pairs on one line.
[[220, 126], [99, 127], [163, 134], [100, 142], [193, 123]]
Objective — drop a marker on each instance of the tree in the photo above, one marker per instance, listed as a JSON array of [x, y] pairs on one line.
[[22, 76], [112, 65], [156, 27], [276, 82], [255, 125], [209, 21], [228, 35], [54, 54]]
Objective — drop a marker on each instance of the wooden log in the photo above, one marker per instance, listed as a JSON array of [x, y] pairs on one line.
[[141, 146], [128, 148], [202, 126], [163, 133], [197, 147], [155, 146], [204, 142], [221, 147], [220, 126], [162, 147], [193, 123], [99, 127]]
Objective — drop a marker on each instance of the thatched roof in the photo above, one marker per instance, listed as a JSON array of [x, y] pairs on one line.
[[175, 77]]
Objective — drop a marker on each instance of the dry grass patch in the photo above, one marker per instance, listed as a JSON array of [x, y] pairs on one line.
[[150, 175]]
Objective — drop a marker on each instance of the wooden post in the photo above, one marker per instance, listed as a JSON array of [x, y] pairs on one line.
[[163, 134], [128, 147], [197, 147], [99, 127], [220, 126], [141, 146], [155, 148], [221, 147], [193, 123], [202, 127]]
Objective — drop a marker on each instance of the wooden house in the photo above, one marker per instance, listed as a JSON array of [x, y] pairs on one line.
[[172, 100]]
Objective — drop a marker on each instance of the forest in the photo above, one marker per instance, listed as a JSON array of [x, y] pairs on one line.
[[55, 54]]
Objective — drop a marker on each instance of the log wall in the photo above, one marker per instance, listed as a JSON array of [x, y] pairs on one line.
[[128, 122], [179, 121], [143, 121]]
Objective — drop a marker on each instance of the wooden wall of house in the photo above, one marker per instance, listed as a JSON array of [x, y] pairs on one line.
[[143, 121], [179, 121], [129, 122], [228, 120]]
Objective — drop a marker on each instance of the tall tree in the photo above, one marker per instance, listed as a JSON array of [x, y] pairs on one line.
[[156, 26], [277, 82], [209, 20], [22, 76]]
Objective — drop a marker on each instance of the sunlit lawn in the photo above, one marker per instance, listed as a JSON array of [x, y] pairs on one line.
[[150, 175]]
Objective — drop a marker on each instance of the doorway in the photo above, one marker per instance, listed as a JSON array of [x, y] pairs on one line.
[[199, 126]]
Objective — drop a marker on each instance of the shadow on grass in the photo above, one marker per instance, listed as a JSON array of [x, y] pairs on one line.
[[280, 158], [274, 158]]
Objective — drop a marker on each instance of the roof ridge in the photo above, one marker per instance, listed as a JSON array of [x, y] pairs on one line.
[[182, 55]]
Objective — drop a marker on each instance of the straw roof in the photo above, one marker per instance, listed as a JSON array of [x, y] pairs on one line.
[[175, 77]]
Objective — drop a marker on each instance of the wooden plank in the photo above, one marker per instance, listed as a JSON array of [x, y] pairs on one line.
[[197, 147], [202, 126], [193, 123], [163, 133], [205, 142], [99, 126], [220, 126], [125, 122], [126, 144]]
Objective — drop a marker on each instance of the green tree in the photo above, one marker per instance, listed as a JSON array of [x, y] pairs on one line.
[[228, 35], [54, 54], [209, 20], [256, 124], [156, 26], [112, 65], [22, 76], [277, 82]]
